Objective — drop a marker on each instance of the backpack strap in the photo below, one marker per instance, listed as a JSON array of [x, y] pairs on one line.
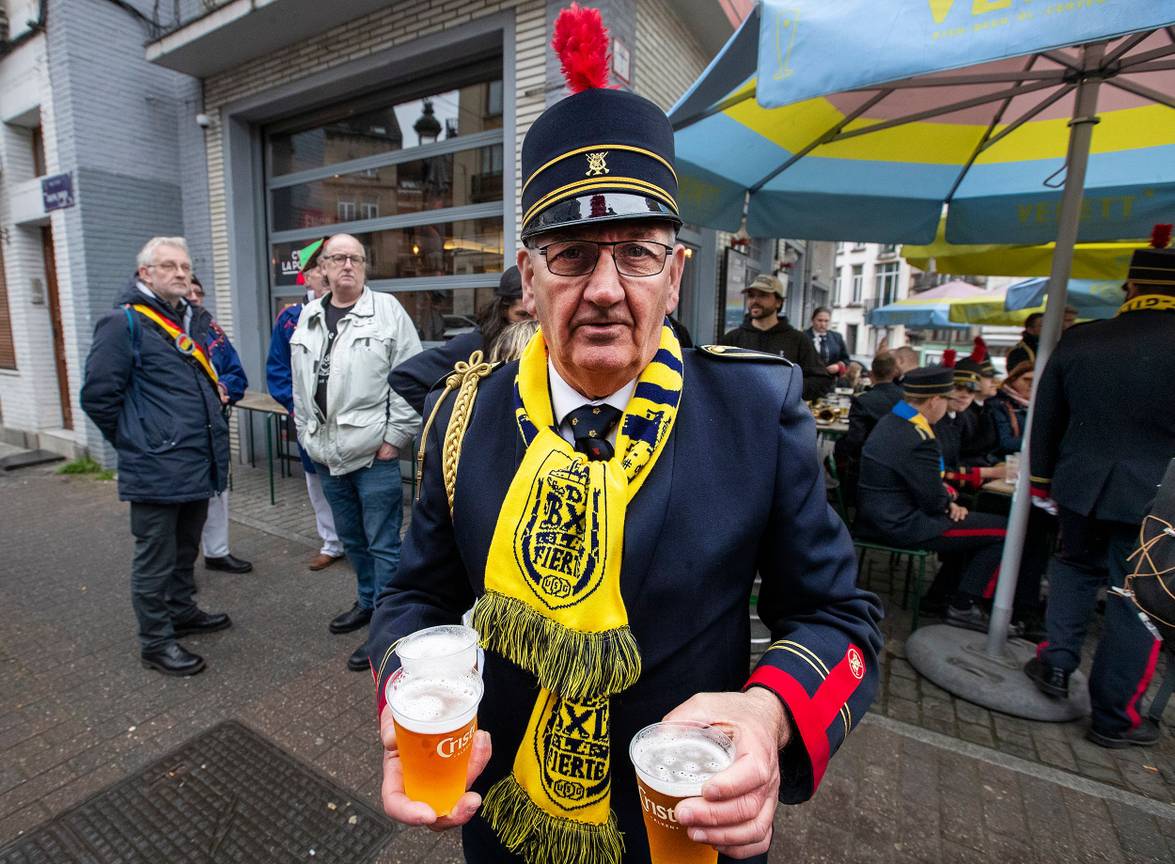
[[136, 337]]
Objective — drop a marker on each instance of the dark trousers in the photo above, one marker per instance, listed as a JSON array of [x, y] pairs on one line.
[[1093, 554], [970, 551], [167, 540], [368, 506]]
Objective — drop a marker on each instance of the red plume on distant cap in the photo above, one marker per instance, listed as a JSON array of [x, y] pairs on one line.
[[948, 357], [1161, 236], [979, 352], [581, 41]]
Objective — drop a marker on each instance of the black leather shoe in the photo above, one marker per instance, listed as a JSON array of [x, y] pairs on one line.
[[1048, 679], [352, 619], [228, 564], [357, 662], [172, 660], [1145, 734], [202, 622]]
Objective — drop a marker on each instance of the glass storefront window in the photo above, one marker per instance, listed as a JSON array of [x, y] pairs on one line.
[[449, 180], [445, 249], [395, 126]]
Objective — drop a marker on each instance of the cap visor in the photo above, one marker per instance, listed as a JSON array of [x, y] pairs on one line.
[[598, 209]]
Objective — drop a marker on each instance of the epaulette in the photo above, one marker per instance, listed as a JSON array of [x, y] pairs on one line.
[[730, 352]]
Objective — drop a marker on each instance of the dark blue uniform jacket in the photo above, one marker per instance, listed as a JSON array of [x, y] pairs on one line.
[[416, 376], [156, 406], [1104, 427], [901, 498], [737, 491]]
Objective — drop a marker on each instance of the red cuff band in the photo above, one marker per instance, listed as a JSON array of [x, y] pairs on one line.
[[813, 735]]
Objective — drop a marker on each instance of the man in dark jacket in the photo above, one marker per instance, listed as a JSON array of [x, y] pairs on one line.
[[152, 392], [1025, 350], [413, 378], [904, 501], [765, 331], [1102, 435], [829, 344]]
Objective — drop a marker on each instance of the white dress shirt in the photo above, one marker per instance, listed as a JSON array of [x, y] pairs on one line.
[[565, 399]]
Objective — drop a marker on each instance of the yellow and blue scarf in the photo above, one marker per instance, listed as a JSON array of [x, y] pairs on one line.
[[553, 606]]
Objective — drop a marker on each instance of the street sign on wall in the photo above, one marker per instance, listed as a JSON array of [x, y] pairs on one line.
[[57, 192]]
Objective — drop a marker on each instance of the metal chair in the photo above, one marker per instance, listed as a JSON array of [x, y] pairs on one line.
[[895, 552]]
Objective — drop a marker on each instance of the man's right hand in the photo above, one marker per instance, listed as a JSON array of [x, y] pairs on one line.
[[957, 513], [401, 808]]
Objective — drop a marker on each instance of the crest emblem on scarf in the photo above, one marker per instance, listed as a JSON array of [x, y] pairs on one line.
[[184, 343], [572, 746], [561, 542]]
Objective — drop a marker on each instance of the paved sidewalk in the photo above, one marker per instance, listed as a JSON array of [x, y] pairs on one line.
[[78, 713]]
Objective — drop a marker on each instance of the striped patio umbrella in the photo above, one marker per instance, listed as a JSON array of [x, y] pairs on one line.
[[927, 309], [860, 120], [1093, 300]]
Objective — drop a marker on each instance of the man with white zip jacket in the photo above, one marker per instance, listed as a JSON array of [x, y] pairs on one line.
[[350, 421]]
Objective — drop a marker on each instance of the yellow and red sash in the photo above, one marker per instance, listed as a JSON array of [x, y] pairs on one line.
[[184, 343]]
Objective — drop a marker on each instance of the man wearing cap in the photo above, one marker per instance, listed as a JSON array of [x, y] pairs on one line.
[[864, 412], [981, 440], [415, 377], [281, 387], [763, 330], [350, 421], [903, 499], [1102, 434], [585, 481]]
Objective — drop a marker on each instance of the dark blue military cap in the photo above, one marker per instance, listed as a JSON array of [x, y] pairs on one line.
[[1155, 264], [929, 381], [600, 155]]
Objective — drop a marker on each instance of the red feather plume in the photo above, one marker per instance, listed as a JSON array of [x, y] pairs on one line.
[[979, 352], [1161, 236], [949, 356], [581, 42]]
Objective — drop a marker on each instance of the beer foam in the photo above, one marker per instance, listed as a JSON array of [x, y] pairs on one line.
[[443, 650], [678, 763], [431, 705]]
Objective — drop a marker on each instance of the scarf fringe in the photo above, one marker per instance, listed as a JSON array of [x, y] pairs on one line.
[[573, 664], [541, 838]]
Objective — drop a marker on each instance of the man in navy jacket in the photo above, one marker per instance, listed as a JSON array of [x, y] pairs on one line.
[[743, 445], [151, 390]]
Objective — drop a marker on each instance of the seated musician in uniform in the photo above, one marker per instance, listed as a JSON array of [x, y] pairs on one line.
[[903, 499]]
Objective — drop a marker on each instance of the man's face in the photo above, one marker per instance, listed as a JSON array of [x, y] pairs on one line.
[[761, 304], [169, 274], [821, 322], [987, 387], [347, 276], [960, 399], [315, 280], [1034, 328], [935, 409], [515, 312], [196, 295], [602, 329]]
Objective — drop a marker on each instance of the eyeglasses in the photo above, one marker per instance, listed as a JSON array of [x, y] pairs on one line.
[[579, 257], [171, 267], [341, 259]]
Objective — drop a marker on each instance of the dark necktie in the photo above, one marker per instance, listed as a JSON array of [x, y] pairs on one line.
[[590, 425], [822, 341]]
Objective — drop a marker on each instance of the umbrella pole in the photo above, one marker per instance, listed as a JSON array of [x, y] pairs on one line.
[[986, 669], [1068, 219]]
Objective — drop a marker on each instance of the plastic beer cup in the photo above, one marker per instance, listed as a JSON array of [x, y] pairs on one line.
[[450, 649], [673, 761], [435, 718]]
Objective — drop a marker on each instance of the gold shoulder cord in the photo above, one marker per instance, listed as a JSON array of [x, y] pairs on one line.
[[465, 378]]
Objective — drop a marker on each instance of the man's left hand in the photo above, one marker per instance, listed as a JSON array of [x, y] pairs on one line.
[[222, 391], [387, 452], [736, 810]]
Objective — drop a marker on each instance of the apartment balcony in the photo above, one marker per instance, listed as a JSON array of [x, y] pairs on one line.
[[220, 34]]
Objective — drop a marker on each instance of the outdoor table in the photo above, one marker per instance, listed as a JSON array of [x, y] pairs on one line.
[[832, 430], [275, 414], [999, 487]]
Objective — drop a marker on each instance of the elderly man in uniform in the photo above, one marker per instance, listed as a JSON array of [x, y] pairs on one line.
[[1101, 439], [605, 407]]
